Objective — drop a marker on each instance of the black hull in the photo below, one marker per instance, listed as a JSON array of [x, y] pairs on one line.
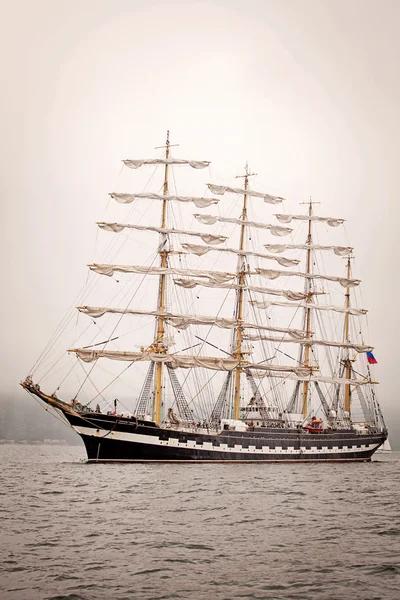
[[117, 451], [114, 439]]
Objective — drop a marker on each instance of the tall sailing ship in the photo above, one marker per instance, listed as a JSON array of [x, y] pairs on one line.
[[203, 350]]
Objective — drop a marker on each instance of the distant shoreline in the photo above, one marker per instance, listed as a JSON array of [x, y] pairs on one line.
[[35, 443]]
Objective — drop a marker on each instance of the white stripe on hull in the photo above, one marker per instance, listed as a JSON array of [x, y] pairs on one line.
[[208, 446]]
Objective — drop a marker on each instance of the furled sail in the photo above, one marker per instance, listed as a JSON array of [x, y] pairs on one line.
[[128, 198], [310, 341], [208, 238], [278, 248], [329, 220], [195, 164], [222, 189], [272, 274], [186, 362], [274, 229], [215, 363], [109, 270], [357, 312], [183, 321], [289, 294], [200, 250], [174, 361]]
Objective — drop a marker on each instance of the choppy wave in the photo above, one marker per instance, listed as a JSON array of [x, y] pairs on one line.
[[74, 531]]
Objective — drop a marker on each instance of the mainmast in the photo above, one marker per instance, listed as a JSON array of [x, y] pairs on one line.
[[159, 345], [308, 309], [347, 362], [239, 298]]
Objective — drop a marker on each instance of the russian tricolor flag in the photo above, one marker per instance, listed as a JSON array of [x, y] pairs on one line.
[[371, 359]]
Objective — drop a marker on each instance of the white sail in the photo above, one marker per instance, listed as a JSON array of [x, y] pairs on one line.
[[310, 341], [272, 274], [128, 198], [195, 164], [173, 360], [278, 248], [329, 220], [289, 294], [265, 304], [214, 363], [222, 189], [208, 238], [183, 321], [187, 362], [274, 229], [386, 447], [200, 250], [109, 270]]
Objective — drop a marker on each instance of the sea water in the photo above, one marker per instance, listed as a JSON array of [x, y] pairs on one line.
[[71, 530]]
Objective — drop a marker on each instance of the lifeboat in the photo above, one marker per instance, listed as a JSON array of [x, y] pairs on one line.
[[315, 426]]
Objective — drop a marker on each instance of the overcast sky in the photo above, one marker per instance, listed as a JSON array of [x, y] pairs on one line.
[[306, 90]]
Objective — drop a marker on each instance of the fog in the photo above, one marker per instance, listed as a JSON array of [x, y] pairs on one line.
[[307, 92]]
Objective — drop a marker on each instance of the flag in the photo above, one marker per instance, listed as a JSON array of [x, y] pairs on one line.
[[371, 359]]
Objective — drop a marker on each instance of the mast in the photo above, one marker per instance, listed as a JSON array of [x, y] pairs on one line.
[[308, 309], [347, 362], [239, 298], [159, 346]]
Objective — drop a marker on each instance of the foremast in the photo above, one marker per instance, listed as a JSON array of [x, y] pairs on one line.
[[159, 346], [241, 273]]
